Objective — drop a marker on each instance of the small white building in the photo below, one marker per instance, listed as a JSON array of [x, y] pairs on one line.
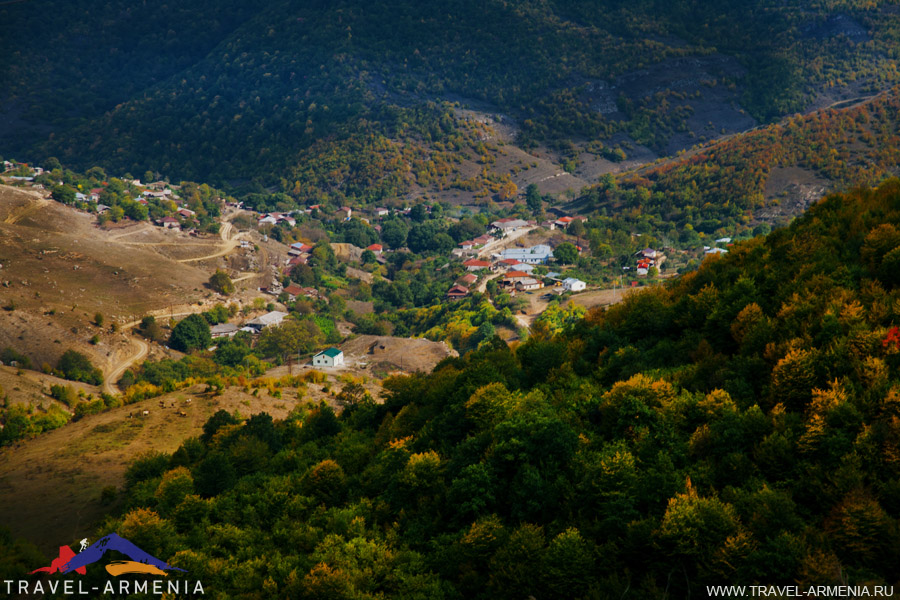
[[331, 357], [573, 285]]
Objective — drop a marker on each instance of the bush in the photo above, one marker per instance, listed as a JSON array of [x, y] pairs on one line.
[[64, 393], [221, 282], [77, 367], [108, 495], [151, 330], [8, 356]]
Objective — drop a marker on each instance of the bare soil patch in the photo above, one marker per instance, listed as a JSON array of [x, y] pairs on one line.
[[593, 298], [379, 354], [790, 190]]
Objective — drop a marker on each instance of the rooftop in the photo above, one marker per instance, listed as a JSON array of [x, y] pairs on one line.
[[330, 352]]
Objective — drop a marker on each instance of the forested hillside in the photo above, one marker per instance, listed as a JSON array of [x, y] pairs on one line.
[[739, 425], [731, 186], [228, 92]]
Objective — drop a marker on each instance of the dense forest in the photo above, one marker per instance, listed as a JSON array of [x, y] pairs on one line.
[[739, 424], [306, 91]]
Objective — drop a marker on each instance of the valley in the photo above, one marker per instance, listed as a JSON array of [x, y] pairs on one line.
[[491, 299]]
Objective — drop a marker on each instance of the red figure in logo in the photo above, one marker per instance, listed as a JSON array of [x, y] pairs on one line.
[[65, 555]]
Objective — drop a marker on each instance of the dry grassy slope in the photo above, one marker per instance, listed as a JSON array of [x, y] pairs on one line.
[[59, 270], [32, 387], [50, 486]]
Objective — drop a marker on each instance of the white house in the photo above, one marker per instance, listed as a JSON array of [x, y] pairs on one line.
[[331, 357], [507, 226], [272, 318], [573, 285], [536, 255]]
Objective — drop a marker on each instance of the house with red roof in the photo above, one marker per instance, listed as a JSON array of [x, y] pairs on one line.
[[376, 248], [512, 277], [468, 279], [293, 291], [473, 264], [507, 263], [457, 292], [301, 247]]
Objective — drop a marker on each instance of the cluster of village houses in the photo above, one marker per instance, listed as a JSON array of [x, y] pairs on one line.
[[330, 357], [13, 166], [649, 258], [517, 266], [516, 260], [158, 189], [517, 263]]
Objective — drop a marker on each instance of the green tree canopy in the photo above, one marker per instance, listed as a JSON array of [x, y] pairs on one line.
[[221, 282], [566, 253], [191, 333], [290, 338]]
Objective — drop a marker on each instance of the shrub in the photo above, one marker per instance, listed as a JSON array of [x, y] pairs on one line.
[[77, 367]]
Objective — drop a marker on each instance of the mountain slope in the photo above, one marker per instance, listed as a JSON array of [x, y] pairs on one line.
[[739, 425], [221, 92], [765, 176]]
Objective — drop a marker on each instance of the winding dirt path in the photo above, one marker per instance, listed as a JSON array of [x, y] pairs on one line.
[[113, 376], [116, 369], [229, 244]]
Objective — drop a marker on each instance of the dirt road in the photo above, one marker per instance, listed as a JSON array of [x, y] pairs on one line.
[[113, 376], [482, 285], [229, 244], [117, 368]]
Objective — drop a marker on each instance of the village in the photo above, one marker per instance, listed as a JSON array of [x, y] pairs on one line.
[[275, 257]]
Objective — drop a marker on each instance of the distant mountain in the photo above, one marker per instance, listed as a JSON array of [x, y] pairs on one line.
[[347, 99], [115, 542]]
